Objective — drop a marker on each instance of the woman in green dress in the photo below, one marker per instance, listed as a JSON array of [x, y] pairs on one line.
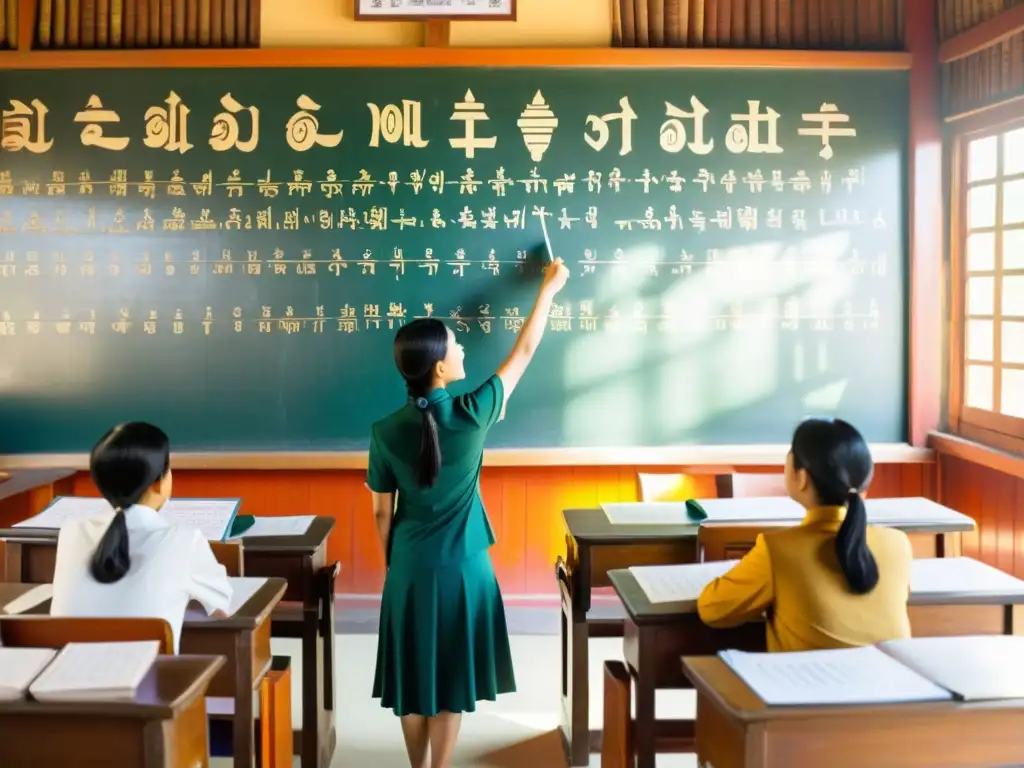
[[443, 644]]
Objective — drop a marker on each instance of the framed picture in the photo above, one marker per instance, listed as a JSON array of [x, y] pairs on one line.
[[436, 10]]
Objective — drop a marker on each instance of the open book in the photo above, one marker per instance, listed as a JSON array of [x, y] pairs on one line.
[[678, 583], [19, 667], [213, 517], [974, 668], [96, 671]]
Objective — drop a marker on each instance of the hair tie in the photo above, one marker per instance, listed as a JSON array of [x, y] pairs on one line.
[[421, 403], [853, 492]]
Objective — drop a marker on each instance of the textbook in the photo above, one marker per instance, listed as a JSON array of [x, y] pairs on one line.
[[96, 671], [926, 669], [38, 595], [19, 667], [678, 583], [213, 517]]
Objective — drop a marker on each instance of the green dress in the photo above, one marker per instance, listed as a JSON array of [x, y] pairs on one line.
[[443, 643]]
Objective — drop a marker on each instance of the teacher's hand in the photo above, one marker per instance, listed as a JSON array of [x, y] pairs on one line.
[[555, 276]]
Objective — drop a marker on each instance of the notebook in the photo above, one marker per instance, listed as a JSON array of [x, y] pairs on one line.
[[678, 583], [96, 671], [19, 667], [972, 668], [38, 595]]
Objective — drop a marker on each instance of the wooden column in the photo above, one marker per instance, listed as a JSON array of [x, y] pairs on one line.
[[925, 222], [437, 34]]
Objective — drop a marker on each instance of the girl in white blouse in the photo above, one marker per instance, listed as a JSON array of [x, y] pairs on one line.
[[131, 562]]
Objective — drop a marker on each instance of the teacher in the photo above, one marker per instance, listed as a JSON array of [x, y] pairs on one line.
[[443, 644]]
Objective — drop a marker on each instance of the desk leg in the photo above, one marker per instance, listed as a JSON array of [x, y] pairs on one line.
[[645, 726], [243, 732], [575, 688], [312, 689]]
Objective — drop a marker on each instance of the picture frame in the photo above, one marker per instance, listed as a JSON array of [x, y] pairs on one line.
[[435, 10]]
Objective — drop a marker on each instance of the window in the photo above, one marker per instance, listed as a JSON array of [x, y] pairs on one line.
[[989, 369]]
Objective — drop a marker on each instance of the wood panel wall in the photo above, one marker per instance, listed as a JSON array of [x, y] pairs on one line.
[[86, 24], [799, 24], [524, 504], [8, 24], [988, 75]]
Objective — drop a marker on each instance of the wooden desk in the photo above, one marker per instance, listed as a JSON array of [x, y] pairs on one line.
[[31, 553], [737, 730], [594, 547], [657, 634], [163, 726], [244, 641]]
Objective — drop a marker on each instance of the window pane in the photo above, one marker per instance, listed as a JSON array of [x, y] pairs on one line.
[[979, 340], [1013, 296], [1013, 249], [1012, 393], [1013, 202], [1013, 152], [981, 158], [981, 206], [981, 250], [1012, 343], [981, 295], [979, 387]]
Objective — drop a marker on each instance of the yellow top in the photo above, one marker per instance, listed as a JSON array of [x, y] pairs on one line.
[[793, 577]]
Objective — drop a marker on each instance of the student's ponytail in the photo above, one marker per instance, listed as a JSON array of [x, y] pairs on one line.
[[855, 559], [111, 560], [419, 347], [124, 464], [838, 462]]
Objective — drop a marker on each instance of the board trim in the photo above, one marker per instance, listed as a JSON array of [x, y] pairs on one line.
[[720, 457], [699, 58]]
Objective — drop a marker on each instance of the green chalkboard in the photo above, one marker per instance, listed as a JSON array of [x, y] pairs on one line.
[[730, 274]]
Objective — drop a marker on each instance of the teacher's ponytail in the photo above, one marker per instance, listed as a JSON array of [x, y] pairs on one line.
[[428, 467]]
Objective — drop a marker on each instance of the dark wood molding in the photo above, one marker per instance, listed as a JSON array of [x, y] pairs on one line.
[[1004, 24], [968, 450]]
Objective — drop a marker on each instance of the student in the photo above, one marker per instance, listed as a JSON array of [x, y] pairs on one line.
[[832, 581], [132, 562], [443, 643]]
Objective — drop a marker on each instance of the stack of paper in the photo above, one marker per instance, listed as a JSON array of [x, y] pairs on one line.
[[38, 595], [19, 667], [96, 671], [242, 589], [678, 583], [821, 678], [277, 526], [212, 517], [977, 668]]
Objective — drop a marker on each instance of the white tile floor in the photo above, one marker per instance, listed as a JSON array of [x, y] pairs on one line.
[[518, 730]]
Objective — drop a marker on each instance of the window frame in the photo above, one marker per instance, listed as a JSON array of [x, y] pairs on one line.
[[989, 427]]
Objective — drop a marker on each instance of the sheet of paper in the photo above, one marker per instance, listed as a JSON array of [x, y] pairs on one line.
[[910, 510], [754, 508], [66, 509], [84, 671], [29, 600], [211, 516], [242, 588], [820, 678], [982, 667], [647, 513], [941, 575], [677, 583], [19, 667], [278, 526]]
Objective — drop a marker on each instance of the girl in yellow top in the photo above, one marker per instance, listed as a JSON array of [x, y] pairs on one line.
[[832, 581]]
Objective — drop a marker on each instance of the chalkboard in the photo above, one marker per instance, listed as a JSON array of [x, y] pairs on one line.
[[228, 253]]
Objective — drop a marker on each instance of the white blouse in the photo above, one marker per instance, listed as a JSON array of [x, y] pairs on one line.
[[170, 566]]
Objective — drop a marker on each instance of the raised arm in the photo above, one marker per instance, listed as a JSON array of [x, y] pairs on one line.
[[532, 331]]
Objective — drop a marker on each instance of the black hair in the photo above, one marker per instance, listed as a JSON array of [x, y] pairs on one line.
[[840, 467], [419, 347], [124, 464]]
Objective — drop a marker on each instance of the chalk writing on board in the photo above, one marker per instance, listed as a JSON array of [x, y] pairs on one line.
[[166, 127]]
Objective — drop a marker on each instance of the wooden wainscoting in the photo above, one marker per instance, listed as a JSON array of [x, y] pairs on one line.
[[524, 503]]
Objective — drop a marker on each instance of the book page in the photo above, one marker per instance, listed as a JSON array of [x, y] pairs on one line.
[[212, 517], [19, 667], [960, 575], [978, 668], [66, 509], [242, 589], [36, 596], [278, 526], [84, 671], [820, 678], [677, 583]]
